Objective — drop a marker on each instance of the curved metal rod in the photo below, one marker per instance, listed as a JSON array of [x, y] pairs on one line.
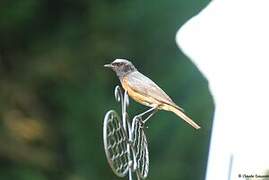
[[131, 135]]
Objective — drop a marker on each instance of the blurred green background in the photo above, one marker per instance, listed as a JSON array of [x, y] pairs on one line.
[[54, 90]]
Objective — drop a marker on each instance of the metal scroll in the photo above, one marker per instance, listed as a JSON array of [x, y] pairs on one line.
[[125, 142]]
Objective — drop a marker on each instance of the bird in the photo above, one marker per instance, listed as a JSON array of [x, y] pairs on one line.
[[144, 91]]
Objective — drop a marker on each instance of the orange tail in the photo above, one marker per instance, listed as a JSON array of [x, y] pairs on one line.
[[183, 116]]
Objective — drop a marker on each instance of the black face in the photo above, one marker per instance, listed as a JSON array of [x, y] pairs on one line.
[[119, 64], [121, 67]]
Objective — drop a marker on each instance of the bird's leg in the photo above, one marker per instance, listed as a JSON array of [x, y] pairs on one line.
[[147, 111], [152, 111], [150, 115]]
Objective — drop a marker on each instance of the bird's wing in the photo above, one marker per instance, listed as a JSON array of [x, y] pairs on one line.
[[142, 84]]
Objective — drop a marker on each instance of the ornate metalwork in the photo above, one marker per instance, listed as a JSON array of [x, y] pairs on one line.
[[125, 142]]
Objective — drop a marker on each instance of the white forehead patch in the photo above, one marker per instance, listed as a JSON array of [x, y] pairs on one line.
[[121, 61]]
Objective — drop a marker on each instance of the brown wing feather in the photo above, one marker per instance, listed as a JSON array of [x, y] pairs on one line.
[[142, 84]]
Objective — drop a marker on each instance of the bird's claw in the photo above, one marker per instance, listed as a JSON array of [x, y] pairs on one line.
[[140, 121]]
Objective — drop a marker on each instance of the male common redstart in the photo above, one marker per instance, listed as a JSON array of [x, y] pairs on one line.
[[144, 90]]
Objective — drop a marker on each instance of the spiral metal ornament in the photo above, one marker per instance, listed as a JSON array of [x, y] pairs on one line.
[[115, 143], [125, 142], [140, 147]]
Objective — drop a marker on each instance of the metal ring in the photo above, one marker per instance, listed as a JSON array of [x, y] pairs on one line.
[[115, 144], [140, 147]]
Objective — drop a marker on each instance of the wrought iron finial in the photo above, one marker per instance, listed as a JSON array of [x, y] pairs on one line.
[[125, 142]]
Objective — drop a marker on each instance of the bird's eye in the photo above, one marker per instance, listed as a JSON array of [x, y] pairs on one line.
[[117, 63]]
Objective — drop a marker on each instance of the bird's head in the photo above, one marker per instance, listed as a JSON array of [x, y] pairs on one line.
[[122, 67]]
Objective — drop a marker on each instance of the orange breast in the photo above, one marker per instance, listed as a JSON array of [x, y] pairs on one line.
[[145, 100]]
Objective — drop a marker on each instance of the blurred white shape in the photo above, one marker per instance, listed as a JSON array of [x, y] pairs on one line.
[[229, 42]]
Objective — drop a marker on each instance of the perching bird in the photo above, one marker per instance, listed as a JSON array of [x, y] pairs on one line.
[[144, 90]]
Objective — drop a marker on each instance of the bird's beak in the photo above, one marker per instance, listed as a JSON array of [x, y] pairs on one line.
[[108, 65]]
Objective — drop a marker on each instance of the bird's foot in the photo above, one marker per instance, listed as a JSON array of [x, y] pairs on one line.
[[140, 120]]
